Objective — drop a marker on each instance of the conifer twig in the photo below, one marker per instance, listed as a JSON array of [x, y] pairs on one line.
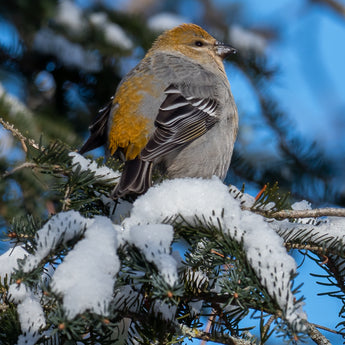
[[268, 324], [288, 214], [208, 327], [315, 213], [303, 246], [334, 5], [19, 167], [327, 329], [223, 338], [317, 336], [16, 133]]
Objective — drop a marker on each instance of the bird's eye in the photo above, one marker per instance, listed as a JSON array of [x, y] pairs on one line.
[[199, 43]]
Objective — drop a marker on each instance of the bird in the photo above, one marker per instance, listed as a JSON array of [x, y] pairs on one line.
[[173, 112]]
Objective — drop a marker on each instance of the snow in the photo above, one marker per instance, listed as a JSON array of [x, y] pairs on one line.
[[301, 205], [195, 307], [198, 277], [86, 277], [98, 18], [60, 229], [28, 338], [246, 200], [9, 261], [70, 15], [154, 241], [30, 312], [103, 174], [190, 197], [333, 227], [31, 315], [126, 295], [211, 200], [18, 292], [246, 40], [325, 232], [13, 104], [6, 142], [165, 310], [165, 21], [113, 33], [72, 55]]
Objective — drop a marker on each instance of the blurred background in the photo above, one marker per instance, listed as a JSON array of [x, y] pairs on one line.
[[60, 62]]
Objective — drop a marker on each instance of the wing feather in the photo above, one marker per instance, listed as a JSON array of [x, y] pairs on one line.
[[180, 120]]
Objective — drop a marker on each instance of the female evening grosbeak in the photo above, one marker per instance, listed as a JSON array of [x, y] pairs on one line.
[[174, 111]]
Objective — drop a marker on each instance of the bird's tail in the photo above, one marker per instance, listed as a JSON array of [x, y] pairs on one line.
[[135, 179]]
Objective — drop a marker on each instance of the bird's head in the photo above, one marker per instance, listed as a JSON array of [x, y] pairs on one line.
[[194, 42]]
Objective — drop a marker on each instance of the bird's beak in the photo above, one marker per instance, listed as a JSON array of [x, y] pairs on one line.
[[224, 50]]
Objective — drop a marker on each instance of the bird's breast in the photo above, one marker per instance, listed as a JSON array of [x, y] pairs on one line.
[[136, 104]]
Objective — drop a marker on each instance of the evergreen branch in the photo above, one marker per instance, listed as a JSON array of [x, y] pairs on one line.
[[310, 238], [218, 338], [333, 265], [17, 134], [224, 298], [289, 214]]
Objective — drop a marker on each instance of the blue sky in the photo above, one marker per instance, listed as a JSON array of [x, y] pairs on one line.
[[310, 55]]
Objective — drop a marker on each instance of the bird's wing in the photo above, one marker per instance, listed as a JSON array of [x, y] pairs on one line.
[[180, 120], [98, 129]]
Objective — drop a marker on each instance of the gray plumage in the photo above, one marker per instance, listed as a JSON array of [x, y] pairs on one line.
[[192, 116]]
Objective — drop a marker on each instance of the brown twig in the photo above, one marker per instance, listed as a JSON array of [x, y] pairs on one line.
[[288, 214], [301, 246], [268, 325], [15, 132], [19, 167], [204, 336], [208, 327], [327, 329], [334, 5], [316, 335], [315, 213]]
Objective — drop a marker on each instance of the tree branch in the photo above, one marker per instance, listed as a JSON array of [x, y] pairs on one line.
[[334, 5], [19, 167], [268, 325], [222, 338], [56, 169], [301, 246], [316, 335], [286, 214], [15, 132], [328, 329]]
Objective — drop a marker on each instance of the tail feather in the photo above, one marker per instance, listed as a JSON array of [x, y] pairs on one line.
[[136, 178]]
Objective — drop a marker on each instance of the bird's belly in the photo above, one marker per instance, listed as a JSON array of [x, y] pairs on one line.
[[205, 157]]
